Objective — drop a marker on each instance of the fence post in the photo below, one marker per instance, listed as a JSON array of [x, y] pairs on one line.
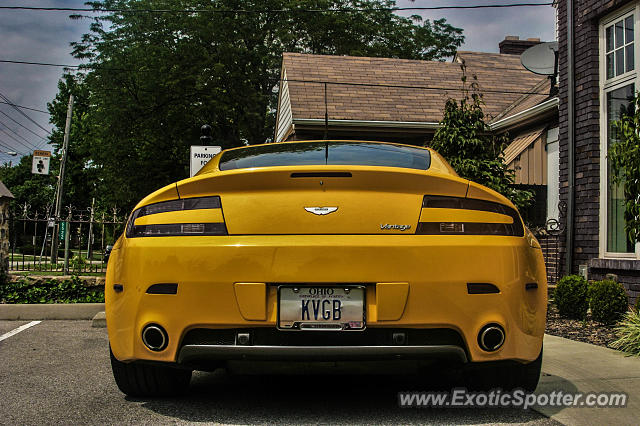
[[90, 239], [66, 249]]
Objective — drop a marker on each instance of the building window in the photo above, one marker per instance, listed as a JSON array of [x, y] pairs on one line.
[[619, 52], [619, 81], [619, 102]]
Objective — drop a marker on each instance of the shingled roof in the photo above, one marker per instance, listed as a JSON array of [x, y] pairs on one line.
[[400, 90], [4, 191]]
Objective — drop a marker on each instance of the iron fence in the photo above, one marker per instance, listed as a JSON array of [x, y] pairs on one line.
[[550, 238], [90, 232]]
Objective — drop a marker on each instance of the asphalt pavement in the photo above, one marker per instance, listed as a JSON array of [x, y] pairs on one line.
[[58, 372]]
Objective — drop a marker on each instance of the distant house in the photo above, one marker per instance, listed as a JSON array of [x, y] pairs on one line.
[[385, 99], [598, 85]]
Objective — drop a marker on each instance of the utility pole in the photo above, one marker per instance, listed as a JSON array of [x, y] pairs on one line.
[[65, 150]]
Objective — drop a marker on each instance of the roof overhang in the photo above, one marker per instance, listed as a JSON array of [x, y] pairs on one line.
[[367, 123], [532, 112], [506, 122]]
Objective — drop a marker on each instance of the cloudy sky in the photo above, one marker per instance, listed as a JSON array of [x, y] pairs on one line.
[[44, 36]]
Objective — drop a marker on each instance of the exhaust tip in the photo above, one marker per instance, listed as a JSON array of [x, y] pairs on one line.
[[491, 337], [154, 337]]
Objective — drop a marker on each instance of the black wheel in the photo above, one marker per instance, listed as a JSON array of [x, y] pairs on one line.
[[144, 380], [504, 375]]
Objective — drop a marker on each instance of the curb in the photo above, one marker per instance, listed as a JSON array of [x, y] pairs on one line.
[[99, 320], [54, 311]]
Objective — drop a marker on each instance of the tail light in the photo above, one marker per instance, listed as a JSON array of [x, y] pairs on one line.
[[456, 216], [178, 217]]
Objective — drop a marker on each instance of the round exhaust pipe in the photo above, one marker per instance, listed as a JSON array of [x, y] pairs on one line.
[[154, 337], [491, 337]]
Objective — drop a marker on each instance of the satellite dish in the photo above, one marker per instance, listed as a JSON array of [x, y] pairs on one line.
[[541, 58]]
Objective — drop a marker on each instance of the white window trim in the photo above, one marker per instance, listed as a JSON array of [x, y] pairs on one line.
[[607, 86]]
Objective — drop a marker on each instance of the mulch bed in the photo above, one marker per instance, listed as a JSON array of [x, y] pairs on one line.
[[587, 331]]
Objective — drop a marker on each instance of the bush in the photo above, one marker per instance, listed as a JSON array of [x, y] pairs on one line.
[[608, 301], [78, 263], [570, 297], [628, 332], [51, 291]]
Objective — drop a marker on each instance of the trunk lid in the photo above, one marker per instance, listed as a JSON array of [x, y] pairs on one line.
[[322, 200]]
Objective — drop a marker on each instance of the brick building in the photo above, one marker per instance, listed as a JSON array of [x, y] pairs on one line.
[[605, 76]]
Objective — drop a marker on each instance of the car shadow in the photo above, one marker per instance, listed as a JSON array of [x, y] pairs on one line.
[[322, 396], [550, 383]]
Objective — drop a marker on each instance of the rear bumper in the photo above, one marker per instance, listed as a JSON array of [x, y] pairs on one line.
[[412, 282], [196, 354]]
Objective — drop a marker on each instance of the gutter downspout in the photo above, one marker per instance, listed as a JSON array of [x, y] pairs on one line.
[[570, 137]]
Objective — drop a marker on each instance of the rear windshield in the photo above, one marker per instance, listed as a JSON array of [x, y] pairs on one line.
[[326, 153]]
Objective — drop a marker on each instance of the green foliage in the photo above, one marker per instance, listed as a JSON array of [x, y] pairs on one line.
[[624, 158], [51, 291], [570, 297], [608, 301], [466, 142], [154, 78], [628, 332], [78, 263], [81, 179]]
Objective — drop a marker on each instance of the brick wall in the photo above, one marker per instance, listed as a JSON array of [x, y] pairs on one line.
[[552, 260], [587, 14]]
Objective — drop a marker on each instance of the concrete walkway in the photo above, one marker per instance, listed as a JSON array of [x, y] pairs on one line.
[[571, 366]]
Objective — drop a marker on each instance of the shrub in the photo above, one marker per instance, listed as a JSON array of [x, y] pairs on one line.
[[628, 332], [608, 301], [570, 297], [51, 291]]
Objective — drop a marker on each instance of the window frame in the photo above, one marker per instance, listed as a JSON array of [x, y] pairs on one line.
[[606, 86]]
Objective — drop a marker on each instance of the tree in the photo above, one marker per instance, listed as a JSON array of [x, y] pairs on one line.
[[624, 157], [466, 141], [81, 175], [154, 78]]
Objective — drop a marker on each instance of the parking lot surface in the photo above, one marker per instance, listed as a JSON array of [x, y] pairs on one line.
[[59, 372]]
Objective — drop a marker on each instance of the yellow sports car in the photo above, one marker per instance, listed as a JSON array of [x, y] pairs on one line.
[[325, 250]]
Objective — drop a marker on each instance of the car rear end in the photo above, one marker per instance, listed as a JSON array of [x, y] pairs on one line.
[[389, 258]]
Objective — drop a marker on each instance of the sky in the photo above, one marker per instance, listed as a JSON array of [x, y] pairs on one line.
[[44, 36]]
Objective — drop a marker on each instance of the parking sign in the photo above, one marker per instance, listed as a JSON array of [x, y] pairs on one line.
[[40, 165], [200, 155]]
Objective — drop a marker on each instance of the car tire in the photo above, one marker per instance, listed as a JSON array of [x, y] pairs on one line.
[[506, 376], [143, 380]]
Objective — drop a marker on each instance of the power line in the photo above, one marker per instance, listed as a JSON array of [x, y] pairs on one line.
[[16, 140], [294, 10], [19, 124], [335, 82], [99, 67], [7, 61], [23, 114], [18, 135], [6, 146], [27, 108]]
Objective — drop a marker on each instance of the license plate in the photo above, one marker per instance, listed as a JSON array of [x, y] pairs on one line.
[[321, 308]]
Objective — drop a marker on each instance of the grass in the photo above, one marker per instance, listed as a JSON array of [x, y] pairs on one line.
[[628, 332]]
